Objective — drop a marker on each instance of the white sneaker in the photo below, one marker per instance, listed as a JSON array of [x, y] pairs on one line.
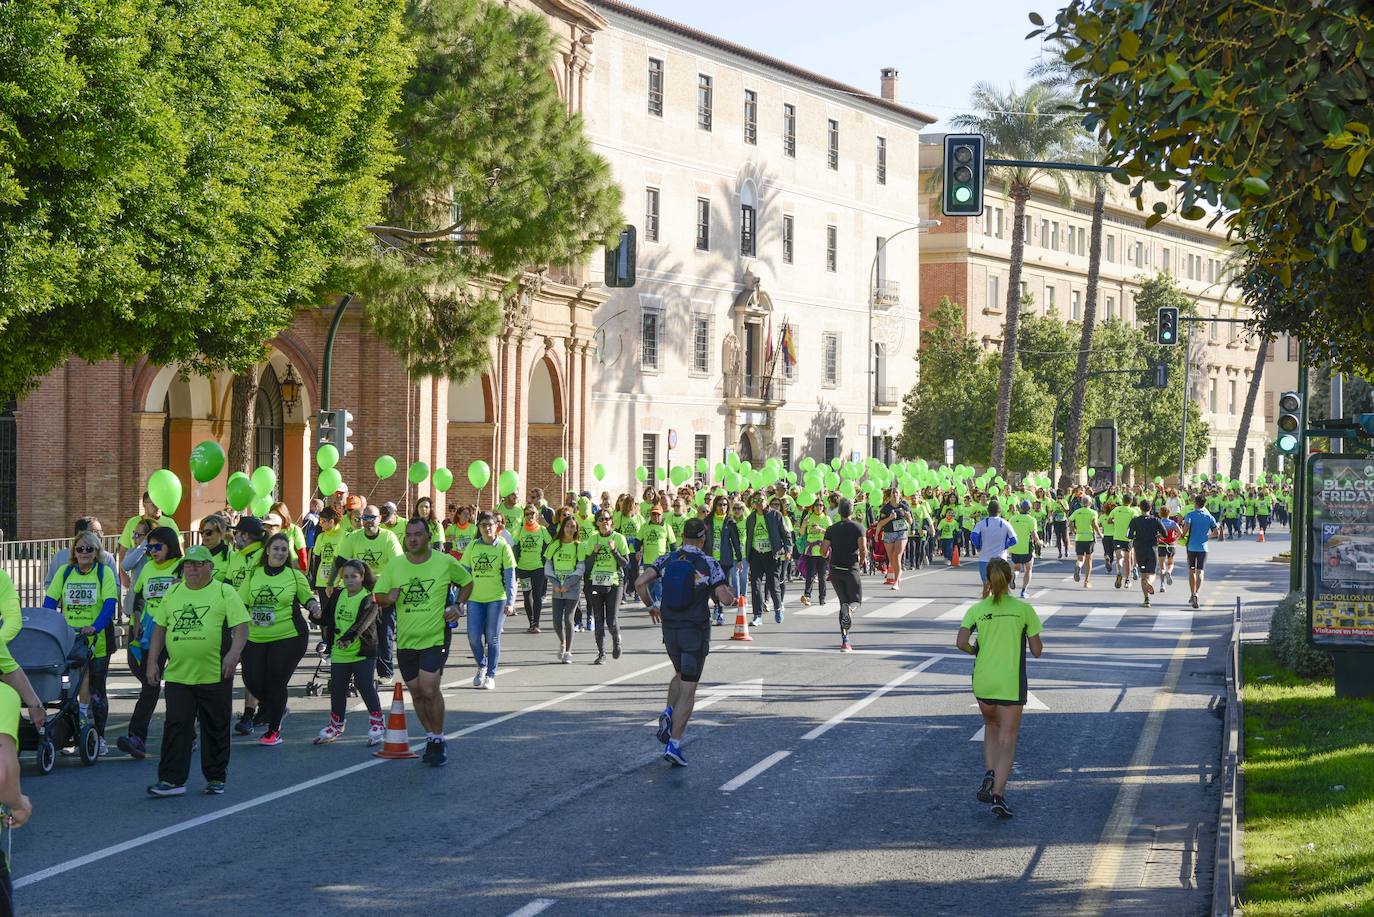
[[1023, 592], [489, 683], [101, 749], [480, 677], [376, 732], [567, 658]]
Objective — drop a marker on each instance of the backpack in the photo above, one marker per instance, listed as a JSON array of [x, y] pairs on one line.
[[99, 572], [680, 588]]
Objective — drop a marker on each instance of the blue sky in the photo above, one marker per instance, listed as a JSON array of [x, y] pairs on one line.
[[941, 48]]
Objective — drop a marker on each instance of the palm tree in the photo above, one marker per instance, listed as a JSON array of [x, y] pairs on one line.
[[1027, 125], [1243, 433]]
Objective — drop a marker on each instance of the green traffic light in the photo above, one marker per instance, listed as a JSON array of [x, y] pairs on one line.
[[1287, 443], [963, 195]]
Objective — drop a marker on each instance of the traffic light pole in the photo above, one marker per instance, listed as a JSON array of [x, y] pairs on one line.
[[1297, 525], [329, 350], [1036, 164]]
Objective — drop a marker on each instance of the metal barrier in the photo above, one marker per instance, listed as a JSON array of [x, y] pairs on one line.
[[1229, 817], [27, 562], [1254, 620]]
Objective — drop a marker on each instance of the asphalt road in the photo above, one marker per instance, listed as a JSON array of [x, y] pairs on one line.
[[819, 783]]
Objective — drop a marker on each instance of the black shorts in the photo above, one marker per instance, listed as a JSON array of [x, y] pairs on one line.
[[687, 645], [413, 662], [1264, 522], [1108, 545], [999, 703], [1084, 547], [1020, 558], [848, 588], [1145, 559], [1197, 560], [1166, 550]]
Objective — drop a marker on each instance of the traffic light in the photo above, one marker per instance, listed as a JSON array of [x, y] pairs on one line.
[[324, 422], [343, 432], [963, 178], [1366, 422], [1168, 325], [620, 260], [1289, 423], [1161, 375]]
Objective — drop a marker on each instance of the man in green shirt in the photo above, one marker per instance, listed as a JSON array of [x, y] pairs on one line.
[[1120, 522], [189, 623], [1085, 530], [416, 587], [1026, 526]]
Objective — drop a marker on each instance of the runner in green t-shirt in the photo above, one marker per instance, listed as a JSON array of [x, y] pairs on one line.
[[530, 539], [1119, 521], [1005, 628], [278, 597], [349, 626], [1026, 527], [492, 564], [1083, 525], [564, 557], [608, 557], [191, 623]]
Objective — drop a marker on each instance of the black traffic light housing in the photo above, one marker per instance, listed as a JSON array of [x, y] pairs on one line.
[[620, 260], [962, 194], [1289, 423], [1167, 325]]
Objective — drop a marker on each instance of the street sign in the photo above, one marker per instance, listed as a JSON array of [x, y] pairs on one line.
[[1340, 598], [949, 452], [672, 439]]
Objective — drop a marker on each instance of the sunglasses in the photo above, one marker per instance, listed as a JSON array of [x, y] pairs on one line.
[[369, 518], [155, 546], [85, 549]]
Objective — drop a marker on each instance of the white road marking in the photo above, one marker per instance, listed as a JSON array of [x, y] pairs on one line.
[[714, 695], [1174, 619], [1039, 593], [899, 609], [1047, 611], [754, 771], [1056, 659], [537, 906], [957, 612], [816, 611], [1103, 618], [856, 707], [177, 828]]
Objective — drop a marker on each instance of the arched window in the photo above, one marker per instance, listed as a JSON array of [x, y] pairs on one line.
[[268, 427]]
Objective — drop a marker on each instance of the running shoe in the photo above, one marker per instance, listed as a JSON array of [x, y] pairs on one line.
[[1193, 601], [244, 726], [567, 658], [1147, 601], [822, 603], [1169, 577], [132, 746], [428, 756], [600, 659], [758, 619], [1023, 592], [376, 732], [577, 628], [984, 793], [673, 754], [896, 585], [101, 749], [489, 683], [439, 756], [214, 788], [615, 651], [1118, 581], [536, 630], [777, 616], [1077, 574], [720, 619], [665, 726], [271, 738], [329, 733], [162, 789], [846, 647], [1000, 807], [480, 677], [806, 600]]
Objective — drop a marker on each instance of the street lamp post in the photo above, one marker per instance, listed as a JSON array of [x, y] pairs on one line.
[[872, 368]]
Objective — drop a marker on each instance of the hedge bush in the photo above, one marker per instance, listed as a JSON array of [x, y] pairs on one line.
[[1288, 637]]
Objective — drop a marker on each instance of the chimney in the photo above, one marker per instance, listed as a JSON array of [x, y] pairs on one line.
[[890, 83]]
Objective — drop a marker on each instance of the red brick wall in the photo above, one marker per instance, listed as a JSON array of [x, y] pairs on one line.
[[939, 280], [545, 445], [468, 442]]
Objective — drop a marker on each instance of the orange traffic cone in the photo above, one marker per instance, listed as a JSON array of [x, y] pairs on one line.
[[1261, 538], [397, 744], [741, 625], [954, 562]]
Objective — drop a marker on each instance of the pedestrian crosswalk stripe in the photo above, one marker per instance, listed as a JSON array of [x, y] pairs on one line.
[[1174, 619], [1103, 618], [899, 609], [815, 611], [1047, 611], [956, 613]]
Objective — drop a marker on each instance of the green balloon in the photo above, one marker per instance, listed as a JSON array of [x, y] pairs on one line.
[[599, 471], [443, 479], [417, 473], [806, 464], [385, 467], [507, 483], [1092, 472], [239, 491], [661, 473], [479, 473], [327, 456], [329, 481], [261, 506], [641, 474], [703, 466], [264, 479], [560, 465], [700, 498], [679, 475], [806, 499], [732, 460], [207, 461], [1118, 467], [847, 490], [164, 488]]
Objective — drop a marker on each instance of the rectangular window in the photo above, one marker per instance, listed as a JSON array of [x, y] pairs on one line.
[[789, 130], [830, 359], [1212, 454], [1269, 351], [1026, 230], [1292, 349], [832, 248], [1231, 397], [1212, 395], [788, 239], [703, 225], [994, 298], [703, 101], [1251, 454], [702, 447], [648, 340], [832, 154], [1054, 236], [751, 117], [1076, 299], [1045, 234], [1111, 307], [1082, 240], [987, 221], [832, 448], [1268, 406], [789, 370], [1049, 297], [1025, 290], [656, 87], [651, 214], [999, 223], [746, 230], [786, 453], [701, 344], [882, 160], [1164, 260], [1111, 248], [649, 452]]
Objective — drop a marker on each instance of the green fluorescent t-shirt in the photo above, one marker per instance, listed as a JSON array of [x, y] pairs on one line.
[[487, 563], [1024, 525], [326, 549], [424, 594], [655, 539], [375, 552], [1082, 520], [346, 610], [602, 550], [270, 600], [81, 596], [565, 556], [1120, 520], [999, 670], [195, 620], [531, 543]]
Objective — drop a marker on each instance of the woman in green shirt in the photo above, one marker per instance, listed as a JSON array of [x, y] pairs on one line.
[[530, 540], [492, 564], [607, 557], [275, 592], [563, 559], [350, 630], [161, 572], [627, 522]]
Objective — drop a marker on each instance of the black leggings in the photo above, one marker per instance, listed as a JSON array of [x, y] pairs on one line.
[[100, 699], [534, 595], [763, 578], [815, 570], [267, 671], [605, 607], [359, 673], [148, 696], [563, 613]]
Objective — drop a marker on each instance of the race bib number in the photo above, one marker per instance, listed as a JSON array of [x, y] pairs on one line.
[[899, 524], [262, 616], [158, 587], [604, 578], [83, 594]]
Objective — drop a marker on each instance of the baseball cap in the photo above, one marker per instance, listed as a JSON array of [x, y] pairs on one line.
[[355, 501], [251, 527], [694, 528], [272, 519], [388, 507], [198, 554]]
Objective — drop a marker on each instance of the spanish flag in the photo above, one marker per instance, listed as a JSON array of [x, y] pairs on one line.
[[789, 345]]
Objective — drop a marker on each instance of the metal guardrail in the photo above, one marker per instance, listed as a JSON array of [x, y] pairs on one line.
[[1229, 817], [27, 562], [1254, 621]]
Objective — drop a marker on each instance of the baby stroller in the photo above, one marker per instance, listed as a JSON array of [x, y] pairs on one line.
[[55, 660], [877, 556]]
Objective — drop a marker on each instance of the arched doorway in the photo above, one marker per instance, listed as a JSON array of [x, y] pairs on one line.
[[269, 425], [545, 441], [471, 433], [746, 448]]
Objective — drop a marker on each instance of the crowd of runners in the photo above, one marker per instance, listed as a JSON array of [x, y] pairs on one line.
[[378, 592]]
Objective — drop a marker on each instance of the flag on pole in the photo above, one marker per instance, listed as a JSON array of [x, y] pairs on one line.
[[789, 345], [768, 353]]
